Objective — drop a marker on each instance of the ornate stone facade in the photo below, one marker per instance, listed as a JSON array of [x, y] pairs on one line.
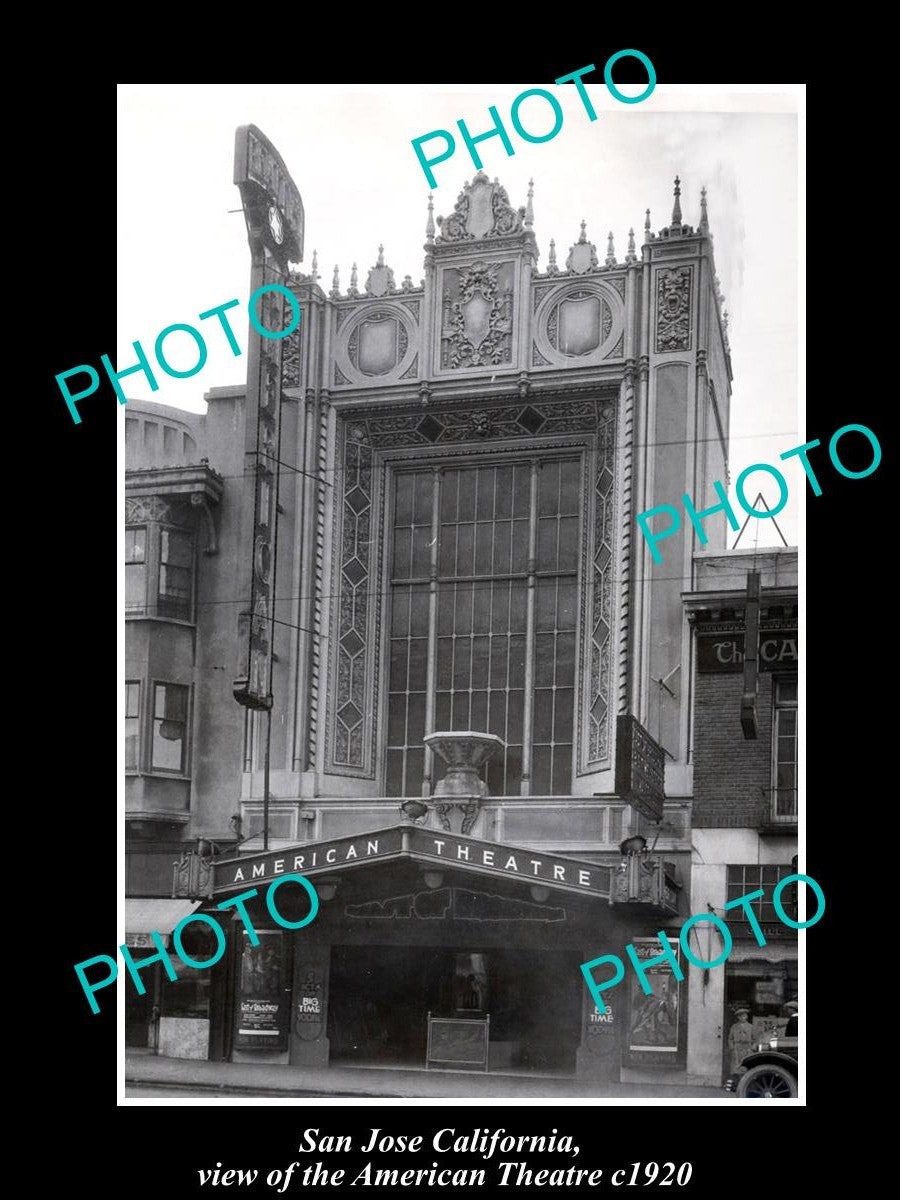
[[477, 310], [482, 210], [673, 309], [353, 618], [369, 439]]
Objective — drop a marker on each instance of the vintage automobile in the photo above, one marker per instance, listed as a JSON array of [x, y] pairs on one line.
[[770, 1071]]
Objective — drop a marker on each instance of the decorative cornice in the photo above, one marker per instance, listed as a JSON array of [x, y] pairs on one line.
[[175, 482]]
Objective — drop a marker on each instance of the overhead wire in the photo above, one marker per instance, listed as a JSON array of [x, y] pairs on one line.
[[377, 467]]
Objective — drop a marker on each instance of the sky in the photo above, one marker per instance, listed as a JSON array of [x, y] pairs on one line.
[[182, 246]]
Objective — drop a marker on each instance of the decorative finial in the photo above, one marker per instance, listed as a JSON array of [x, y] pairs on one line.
[[315, 266], [353, 289], [380, 262], [676, 207], [529, 207], [610, 251], [704, 218], [583, 236], [631, 256], [647, 234], [552, 268], [336, 283], [429, 224]]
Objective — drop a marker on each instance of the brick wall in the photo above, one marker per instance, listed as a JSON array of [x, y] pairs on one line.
[[732, 777]]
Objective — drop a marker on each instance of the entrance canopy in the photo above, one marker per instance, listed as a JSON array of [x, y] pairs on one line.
[[412, 843]]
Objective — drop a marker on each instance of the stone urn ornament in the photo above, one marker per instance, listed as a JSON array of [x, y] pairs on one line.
[[465, 752]]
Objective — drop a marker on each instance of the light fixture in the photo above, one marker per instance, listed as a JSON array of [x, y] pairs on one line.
[[326, 888], [633, 845], [413, 809], [539, 893], [433, 879]]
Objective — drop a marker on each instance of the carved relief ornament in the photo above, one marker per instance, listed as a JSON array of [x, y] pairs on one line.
[[673, 309], [482, 210]]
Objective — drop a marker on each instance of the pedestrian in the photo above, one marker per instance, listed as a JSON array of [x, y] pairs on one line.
[[792, 1009], [741, 1038]]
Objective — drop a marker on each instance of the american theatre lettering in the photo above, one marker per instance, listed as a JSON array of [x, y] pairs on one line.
[[485, 858]]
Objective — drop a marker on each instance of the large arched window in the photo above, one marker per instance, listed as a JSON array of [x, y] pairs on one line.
[[484, 587]]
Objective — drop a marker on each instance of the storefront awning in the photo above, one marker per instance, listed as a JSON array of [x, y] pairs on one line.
[[145, 916]]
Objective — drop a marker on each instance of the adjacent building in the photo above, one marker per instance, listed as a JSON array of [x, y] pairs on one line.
[[744, 813], [171, 494]]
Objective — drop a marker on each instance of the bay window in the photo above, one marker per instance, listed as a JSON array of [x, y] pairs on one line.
[[170, 715], [176, 565], [159, 571], [136, 569], [132, 725]]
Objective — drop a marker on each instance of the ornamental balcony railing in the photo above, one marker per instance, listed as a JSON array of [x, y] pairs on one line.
[[646, 882]]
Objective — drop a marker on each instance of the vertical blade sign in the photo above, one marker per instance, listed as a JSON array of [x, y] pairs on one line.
[[273, 211]]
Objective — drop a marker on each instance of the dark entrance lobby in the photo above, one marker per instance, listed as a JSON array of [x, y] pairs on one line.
[[380, 997]]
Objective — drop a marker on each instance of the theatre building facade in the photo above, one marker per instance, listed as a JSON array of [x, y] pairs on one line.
[[478, 745]]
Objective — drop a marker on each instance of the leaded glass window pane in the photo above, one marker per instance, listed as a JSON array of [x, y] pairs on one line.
[[486, 517]]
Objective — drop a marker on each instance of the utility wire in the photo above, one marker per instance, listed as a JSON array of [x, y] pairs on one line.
[[422, 582], [376, 467]]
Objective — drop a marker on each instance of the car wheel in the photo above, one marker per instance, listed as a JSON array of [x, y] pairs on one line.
[[767, 1080]]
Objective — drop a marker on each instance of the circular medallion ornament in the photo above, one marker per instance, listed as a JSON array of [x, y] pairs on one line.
[[262, 559], [276, 225]]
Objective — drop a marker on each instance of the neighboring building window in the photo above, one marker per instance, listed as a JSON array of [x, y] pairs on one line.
[[176, 569], [135, 569], [170, 710], [750, 878], [784, 740], [132, 726], [482, 646]]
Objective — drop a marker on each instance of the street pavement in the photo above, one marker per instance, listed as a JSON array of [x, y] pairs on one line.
[[154, 1076]]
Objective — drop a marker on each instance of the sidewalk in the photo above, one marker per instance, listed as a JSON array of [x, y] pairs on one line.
[[248, 1079]]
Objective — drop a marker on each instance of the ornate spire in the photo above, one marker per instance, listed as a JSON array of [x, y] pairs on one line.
[[610, 251], [676, 207], [380, 279], [353, 289], [529, 207], [552, 268], [631, 256], [314, 276], [704, 217], [583, 255], [336, 284], [429, 224], [647, 234]]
